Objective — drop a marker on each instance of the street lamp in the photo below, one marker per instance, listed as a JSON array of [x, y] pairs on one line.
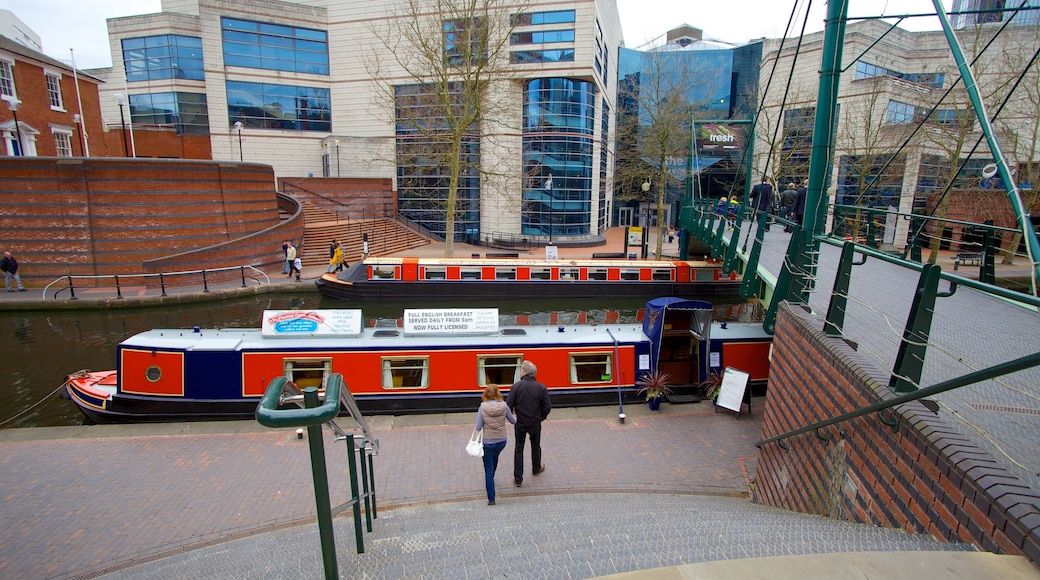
[[13, 104], [238, 127], [549, 186], [337, 157], [121, 100]]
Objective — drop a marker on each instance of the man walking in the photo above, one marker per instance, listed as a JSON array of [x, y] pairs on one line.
[[787, 200], [10, 268], [290, 258], [529, 401], [762, 200]]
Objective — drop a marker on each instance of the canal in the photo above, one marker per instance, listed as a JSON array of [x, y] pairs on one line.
[[41, 347]]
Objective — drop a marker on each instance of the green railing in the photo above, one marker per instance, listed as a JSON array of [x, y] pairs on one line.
[[313, 415]]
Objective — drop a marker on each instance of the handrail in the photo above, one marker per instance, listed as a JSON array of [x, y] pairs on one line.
[[1018, 364], [161, 276]]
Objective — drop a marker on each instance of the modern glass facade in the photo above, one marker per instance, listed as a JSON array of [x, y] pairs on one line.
[[167, 56], [274, 47], [423, 147], [559, 132], [188, 113], [270, 106]]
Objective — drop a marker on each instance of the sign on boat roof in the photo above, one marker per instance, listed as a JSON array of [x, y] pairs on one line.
[[427, 321], [315, 323]]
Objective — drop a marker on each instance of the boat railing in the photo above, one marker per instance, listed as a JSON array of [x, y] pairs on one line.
[[165, 282], [312, 414]]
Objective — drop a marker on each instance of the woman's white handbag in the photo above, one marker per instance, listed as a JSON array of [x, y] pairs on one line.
[[475, 447]]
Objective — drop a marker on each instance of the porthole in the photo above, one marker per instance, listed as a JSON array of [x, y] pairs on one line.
[[153, 374]]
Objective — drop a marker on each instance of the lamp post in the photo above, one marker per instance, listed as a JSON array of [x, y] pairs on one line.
[[121, 100], [238, 127], [337, 158], [552, 221], [13, 104], [646, 219]]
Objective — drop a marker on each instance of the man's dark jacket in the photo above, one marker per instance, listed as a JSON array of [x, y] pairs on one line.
[[530, 400], [9, 265]]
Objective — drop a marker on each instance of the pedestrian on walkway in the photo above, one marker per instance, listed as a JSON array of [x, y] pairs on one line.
[[287, 263], [762, 201], [799, 203], [336, 259], [297, 266], [10, 268], [290, 257], [529, 401], [491, 417], [787, 201]]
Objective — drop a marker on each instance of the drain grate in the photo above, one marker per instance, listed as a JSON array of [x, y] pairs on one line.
[[1004, 409]]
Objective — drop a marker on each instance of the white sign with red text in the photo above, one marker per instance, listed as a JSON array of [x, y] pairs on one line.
[[335, 322]]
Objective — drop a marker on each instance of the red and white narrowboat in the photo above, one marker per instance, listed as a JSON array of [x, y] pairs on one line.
[[403, 278], [437, 360]]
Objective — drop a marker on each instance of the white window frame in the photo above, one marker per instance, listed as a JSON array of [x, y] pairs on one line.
[[58, 135], [590, 359], [7, 87], [54, 92], [483, 363], [405, 367]]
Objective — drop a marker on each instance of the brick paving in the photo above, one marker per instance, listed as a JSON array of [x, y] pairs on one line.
[[185, 500]]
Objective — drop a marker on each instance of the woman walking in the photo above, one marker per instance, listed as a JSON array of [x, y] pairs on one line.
[[491, 417]]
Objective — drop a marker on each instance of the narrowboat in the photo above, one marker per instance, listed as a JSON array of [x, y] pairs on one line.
[[404, 278], [435, 360]]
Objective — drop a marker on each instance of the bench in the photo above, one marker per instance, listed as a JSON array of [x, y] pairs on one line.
[[608, 255], [502, 255], [973, 258]]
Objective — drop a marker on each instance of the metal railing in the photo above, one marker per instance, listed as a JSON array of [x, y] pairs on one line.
[[162, 281]]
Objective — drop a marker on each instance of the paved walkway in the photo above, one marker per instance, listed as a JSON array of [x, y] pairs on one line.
[[234, 500]]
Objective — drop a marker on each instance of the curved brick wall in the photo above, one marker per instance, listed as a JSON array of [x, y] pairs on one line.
[[92, 216]]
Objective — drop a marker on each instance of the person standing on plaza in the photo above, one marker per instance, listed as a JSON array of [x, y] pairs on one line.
[[491, 417], [529, 401], [799, 202], [787, 201], [285, 257], [336, 260], [762, 200], [10, 268], [290, 258]]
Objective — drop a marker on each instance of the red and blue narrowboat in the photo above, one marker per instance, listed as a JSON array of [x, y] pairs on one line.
[[435, 360]]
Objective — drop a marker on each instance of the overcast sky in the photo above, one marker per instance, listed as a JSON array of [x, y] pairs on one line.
[[80, 24]]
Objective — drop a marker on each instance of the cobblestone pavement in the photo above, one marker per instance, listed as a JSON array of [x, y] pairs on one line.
[[970, 331]]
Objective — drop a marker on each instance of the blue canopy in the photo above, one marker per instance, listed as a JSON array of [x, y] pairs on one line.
[[654, 321]]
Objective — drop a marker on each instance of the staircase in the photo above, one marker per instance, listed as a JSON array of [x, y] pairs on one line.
[[385, 236]]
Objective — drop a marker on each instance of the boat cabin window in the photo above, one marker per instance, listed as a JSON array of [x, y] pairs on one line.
[[406, 372], [591, 368], [541, 273], [384, 273], [505, 273], [470, 273], [568, 273], [498, 370], [662, 274], [436, 273], [630, 274], [308, 372], [597, 273]]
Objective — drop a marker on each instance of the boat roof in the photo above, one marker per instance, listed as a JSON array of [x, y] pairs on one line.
[[377, 338], [532, 262]]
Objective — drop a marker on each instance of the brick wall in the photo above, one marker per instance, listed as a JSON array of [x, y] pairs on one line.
[[97, 216], [923, 478]]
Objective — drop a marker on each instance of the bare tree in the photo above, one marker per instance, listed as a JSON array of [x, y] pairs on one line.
[[449, 60], [659, 103]]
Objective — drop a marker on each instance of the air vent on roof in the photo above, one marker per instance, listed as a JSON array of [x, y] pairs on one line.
[[384, 333], [514, 332]]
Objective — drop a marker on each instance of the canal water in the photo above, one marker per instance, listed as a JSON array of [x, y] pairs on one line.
[[41, 347]]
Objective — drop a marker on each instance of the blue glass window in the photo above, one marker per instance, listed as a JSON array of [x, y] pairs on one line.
[[424, 145], [525, 56], [270, 106], [275, 47], [462, 38], [542, 37], [536, 18], [559, 128], [899, 113], [167, 56], [188, 113], [866, 70]]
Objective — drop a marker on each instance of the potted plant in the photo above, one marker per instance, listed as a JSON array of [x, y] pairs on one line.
[[654, 386], [711, 385]]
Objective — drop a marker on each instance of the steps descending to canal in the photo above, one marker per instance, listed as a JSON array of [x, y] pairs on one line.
[[385, 236]]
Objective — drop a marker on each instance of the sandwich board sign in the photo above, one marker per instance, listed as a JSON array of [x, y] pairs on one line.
[[731, 392]]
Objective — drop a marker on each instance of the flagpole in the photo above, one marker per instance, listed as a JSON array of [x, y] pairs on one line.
[[79, 103]]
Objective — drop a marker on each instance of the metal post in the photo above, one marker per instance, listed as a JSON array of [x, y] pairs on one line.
[[337, 158], [72, 289], [121, 100], [119, 293], [238, 126], [354, 493], [242, 271], [205, 285], [552, 219], [321, 489], [162, 283], [17, 128]]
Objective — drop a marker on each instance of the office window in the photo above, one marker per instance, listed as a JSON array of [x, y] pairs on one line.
[[54, 90], [270, 106], [167, 56], [188, 113], [526, 56], [537, 18], [63, 143], [465, 39], [6, 78], [274, 47], [899, 113], [541, 37]]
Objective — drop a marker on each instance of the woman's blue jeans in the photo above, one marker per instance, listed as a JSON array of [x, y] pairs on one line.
[[491, 453]]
